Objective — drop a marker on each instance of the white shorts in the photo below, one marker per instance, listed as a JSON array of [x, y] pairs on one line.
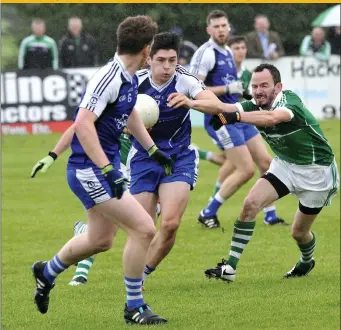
[[314, 185]]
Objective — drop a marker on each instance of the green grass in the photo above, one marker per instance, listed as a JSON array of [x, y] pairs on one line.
[[38, 216]]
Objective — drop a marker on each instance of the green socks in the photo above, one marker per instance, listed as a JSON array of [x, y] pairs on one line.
[[307, 252], [242, 233]]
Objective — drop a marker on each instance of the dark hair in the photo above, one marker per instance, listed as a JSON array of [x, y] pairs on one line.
[[165, 40], [215, 14], [135, 33], [236, 40], [276, 76]]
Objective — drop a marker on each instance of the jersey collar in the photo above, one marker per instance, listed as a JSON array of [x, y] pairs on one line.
[[277, 99], [123, 67], [242, 69], [162, 87], [220, 49]]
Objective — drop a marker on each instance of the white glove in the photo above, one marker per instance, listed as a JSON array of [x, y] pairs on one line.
[[235, 87]]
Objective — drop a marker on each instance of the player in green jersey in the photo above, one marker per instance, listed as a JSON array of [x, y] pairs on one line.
[[304, 165]]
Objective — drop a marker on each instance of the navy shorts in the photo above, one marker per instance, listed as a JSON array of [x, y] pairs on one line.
[[89, 184], [230, 136], [146, 174]]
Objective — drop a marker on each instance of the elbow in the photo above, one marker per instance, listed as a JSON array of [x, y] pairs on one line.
[[218, 108], [273, 120], [78, 126]]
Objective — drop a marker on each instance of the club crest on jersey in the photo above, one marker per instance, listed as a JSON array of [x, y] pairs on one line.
[[121, 122], [228, 79], [94, 99]]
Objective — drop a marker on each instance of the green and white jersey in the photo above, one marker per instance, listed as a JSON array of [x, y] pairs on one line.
[[299, 140], [244, 75], [38, 53], [125, 148]]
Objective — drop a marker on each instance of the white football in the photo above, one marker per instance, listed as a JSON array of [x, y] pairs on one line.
[[148, 110]]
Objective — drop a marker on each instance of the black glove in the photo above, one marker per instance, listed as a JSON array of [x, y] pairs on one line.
[[115, 180], [163, 159], [224, 118], [247, 96]]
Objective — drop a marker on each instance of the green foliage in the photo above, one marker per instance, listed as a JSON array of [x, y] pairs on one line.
[[292, 21], [37, 219]]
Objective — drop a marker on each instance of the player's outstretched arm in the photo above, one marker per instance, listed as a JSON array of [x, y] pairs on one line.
[[257, 118], [63, 144], [136, 128], [205, 102], [266, 118]]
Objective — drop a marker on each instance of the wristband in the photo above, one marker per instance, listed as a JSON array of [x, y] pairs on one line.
[[107, 168], [152, 149], [53, 155]]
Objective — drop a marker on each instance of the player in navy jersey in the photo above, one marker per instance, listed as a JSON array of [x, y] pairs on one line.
[[242, 144], [107, 106], [172, 133]]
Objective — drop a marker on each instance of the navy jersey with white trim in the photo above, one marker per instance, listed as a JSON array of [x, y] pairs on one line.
[[173, 129], [218, 66], [111, 96]]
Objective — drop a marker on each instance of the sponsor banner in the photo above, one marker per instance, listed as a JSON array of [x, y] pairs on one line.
[[47, 96], [317, 83], [35, 96], [35, 128]]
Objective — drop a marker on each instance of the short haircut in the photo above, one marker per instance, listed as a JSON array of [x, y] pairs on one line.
[[135, 33], [261, 16], [276, 75], [165, 40], [74, 18], [236, 40], [38, 21], [215, 14]]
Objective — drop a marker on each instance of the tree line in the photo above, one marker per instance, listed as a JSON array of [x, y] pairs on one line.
[[291, 21]]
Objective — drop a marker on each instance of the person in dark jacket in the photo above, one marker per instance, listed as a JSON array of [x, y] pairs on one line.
[[77, 48], [38, 51]]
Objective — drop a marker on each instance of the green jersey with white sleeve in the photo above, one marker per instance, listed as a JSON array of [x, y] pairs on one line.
[[298, 141]]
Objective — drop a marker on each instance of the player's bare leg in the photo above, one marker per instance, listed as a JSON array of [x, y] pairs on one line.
[[305, 239], [263, 159], [149, 201], [263, 193], [173, 198], [103, 221], [225, 170], [240, 158]]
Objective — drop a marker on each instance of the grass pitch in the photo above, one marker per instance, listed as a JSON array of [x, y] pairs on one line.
[[38, 216]]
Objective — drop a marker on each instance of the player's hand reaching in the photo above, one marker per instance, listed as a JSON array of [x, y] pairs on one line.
[[115, 180], [177, 100], [224, 118], [44, 164], [163, 159], [235, 87]]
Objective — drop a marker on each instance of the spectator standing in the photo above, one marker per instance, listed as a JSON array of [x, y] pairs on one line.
[[38, 51], [77, 48], [334, 38], [263, 43], [316, 45]]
